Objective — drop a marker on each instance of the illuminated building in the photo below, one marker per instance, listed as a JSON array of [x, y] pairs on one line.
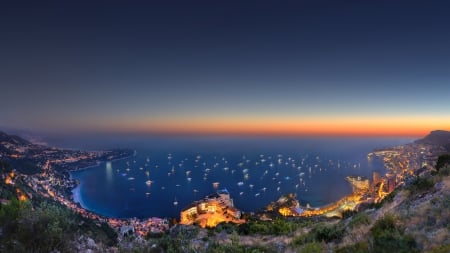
[[390, 182], [376, 178], [211, 211], [359, 184]]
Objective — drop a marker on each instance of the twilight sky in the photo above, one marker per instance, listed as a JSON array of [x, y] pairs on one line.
[[229, 67]]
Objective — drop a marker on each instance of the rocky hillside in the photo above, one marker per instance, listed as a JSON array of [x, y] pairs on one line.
[[438, 137], [414, 218]]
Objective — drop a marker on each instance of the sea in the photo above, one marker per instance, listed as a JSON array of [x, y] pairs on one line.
[[166, 174]]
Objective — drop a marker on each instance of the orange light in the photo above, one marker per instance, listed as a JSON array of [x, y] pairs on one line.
[[331, 125], [8, 180], [22, 197]]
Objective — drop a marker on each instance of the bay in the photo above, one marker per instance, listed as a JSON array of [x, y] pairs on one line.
[[167, 173]]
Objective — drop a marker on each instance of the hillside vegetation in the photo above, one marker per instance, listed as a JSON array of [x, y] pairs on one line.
[[42, 225], [413, 218]]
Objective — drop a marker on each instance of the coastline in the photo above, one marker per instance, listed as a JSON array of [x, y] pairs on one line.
[[77, 199], [76, 191], [98, 162]]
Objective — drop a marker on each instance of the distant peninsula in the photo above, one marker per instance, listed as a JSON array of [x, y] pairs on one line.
[[437, 137]]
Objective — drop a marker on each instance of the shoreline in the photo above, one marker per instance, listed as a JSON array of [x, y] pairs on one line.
[[98, 163], [77, 199], [76, 191]]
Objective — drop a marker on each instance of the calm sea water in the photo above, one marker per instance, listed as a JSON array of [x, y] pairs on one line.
[[255, 171]]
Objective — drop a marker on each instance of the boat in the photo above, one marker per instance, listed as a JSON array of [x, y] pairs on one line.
[[175, 202], [148, 182], [240, 183], [131, 178], [215, 184]]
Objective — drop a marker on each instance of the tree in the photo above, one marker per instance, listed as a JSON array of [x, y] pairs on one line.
[[443, 160]]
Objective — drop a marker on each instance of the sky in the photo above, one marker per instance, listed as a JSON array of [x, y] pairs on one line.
[[304, 67]]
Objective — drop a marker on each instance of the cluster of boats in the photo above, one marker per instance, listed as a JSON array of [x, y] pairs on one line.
[[254, 175]]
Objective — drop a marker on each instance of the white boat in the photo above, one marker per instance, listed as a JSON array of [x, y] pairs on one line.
[[175, 202], [240, 183], [148, 182]]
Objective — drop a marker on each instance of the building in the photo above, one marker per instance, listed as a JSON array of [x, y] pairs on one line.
[[390, 182], [376, 178], [359, 184], [211, 210]]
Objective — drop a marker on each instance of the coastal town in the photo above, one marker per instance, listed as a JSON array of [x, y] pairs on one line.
[[54, 182], [402, 164]]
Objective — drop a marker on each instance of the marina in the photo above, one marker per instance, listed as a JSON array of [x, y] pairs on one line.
[[175, 178]]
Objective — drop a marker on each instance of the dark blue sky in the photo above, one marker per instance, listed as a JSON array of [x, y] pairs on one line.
[[153, 65]]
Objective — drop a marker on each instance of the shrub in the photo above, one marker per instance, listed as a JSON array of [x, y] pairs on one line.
[[388, 237], [332, 233], [302, 239], [235, 248], [312, 247], [420, 184], [445, 171], [360, 247], [360, 219], [441, 249], [443, 161]]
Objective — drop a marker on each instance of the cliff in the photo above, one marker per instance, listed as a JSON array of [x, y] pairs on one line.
[[437, 137]]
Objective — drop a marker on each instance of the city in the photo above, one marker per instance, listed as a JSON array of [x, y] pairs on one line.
[[402, 163]]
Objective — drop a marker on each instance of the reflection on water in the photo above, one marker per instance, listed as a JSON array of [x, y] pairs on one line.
[[109, 172], [255, 172]]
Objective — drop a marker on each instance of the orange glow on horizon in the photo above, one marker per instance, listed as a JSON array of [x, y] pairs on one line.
[[337, 126]]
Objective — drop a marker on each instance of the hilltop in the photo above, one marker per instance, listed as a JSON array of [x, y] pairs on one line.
[[29, 158], [437, 137]]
